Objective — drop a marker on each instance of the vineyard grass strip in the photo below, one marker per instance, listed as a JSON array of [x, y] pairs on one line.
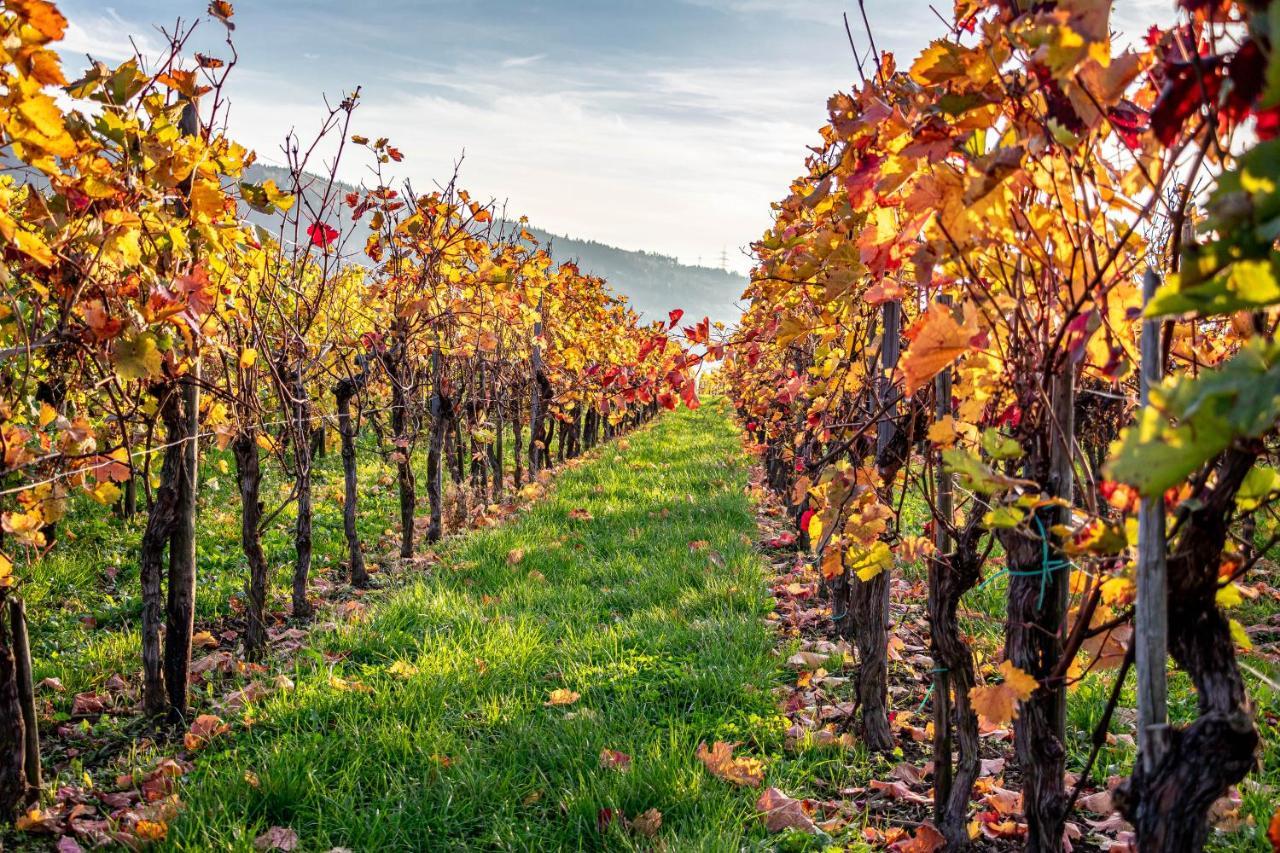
[[665, 644]]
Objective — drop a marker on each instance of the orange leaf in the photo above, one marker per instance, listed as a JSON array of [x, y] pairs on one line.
[[562, 697], [740, 771], [937, 340], [41, 15], [205, 728], [997, 703]]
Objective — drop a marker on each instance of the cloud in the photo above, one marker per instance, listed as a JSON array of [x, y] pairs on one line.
[[805, 10], [521, 61], [105, 35], [684, 160]]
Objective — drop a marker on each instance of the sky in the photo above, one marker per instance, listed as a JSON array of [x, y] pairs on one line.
[[662, 125]]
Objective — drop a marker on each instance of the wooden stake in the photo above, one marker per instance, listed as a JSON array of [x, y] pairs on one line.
[[1152, 611], [26, 692]]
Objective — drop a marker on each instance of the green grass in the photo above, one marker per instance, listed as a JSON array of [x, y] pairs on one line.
[[666, 645], [666, 648]]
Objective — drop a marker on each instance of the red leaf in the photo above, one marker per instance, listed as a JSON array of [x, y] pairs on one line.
[[322, 234]]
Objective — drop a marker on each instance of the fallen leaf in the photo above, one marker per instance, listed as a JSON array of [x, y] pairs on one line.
[[648, 823], [205, 728], [151, 830], [88, 703], [899, 791], [1099, 803], [562, 696], [204, 640], [740, 771], [612, 759], [782, 812], [807, 660], [514, 556], [1003, 801], [277, 838], [344, 685], [402, 669], [926, 840], [580, 514]]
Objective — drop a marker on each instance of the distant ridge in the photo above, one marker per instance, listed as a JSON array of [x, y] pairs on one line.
[[653, 283]]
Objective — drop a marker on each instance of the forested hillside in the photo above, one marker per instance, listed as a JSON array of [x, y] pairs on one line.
[[653, 283]]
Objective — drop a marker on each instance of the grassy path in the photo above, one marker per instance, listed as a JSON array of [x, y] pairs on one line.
[[455, 748]]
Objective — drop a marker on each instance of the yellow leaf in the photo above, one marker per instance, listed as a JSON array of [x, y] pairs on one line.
[[43, 114], [344, 685], [562, 697], [871, 562], [1228, 596], [34, 247], [997, 703], [1240, 636], [6, 572], [402, 669], [943, 431], [26, 527], [106, 493], [248, 357], [48, 414], [207, 201]]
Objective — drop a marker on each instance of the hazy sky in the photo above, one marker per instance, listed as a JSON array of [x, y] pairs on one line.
[[666, 125]]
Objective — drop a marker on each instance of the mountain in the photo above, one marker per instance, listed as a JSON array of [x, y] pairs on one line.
[[653, 283]]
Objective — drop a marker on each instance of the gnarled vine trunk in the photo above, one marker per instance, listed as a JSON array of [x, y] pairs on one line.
[[1169, 806], [435, 449], [180, 603], [302, 540], [244, 447], [13, 781], [1039, 582], [151, 556], [343, 393]]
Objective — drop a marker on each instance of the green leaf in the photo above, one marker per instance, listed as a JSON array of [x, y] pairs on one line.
[[1192, 420], [1003, 518], [976, 475], [1259, 484], [1241, 286], [137, 357], [999, 446]]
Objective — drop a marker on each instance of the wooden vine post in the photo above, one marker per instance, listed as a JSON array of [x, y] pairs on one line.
[[26, 692], [1151, 637]]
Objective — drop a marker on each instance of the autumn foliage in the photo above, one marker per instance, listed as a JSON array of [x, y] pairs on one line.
[[146, 322], [948, 309]]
